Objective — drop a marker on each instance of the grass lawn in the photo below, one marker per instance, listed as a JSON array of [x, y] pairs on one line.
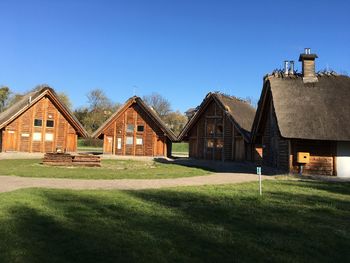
[[293, 222], [111, 169], [180, 147]]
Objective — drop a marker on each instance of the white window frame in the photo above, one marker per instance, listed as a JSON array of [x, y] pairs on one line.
[[49, 137], [128, 140], [37, 136]]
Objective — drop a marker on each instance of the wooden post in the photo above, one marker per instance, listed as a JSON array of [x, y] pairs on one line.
[[124, 131], [31, 128], [18, 142], [43, 127], [223, 136], [114, 136], [56, 123]]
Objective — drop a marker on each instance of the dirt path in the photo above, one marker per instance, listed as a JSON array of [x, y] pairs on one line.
[[10, 183]]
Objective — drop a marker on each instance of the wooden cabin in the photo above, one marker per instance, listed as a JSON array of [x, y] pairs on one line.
[[305, 114], [220, 129], [39, 122], [135, 129]]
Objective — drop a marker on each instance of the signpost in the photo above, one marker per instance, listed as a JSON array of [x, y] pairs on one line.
[[258, 172]]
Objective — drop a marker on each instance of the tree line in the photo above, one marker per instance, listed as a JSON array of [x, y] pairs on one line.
[[99, 107]]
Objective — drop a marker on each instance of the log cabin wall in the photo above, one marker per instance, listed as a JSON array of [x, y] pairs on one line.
[[41, 128], [133, 132], [275, 148], [214, 137], [322, 156]]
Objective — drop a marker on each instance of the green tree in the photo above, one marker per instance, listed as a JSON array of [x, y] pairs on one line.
[[98, 110], [175, 121], [4, 97], [65, 99]]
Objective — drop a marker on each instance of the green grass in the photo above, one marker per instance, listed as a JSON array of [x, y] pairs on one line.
[[111, 169], [180, 148], [89, 149], [293, 222]]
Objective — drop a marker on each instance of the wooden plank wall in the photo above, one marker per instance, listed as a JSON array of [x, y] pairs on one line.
[[155, 143], [322, 156], [19, 134], [275, 148], [234, 146]]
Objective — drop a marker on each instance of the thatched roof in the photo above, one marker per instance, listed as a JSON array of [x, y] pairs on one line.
[[240, 112], [30, 99], [319, 110], [153, 115]]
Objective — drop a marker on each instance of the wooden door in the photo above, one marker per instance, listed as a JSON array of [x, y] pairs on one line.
[[159, 147], [11, 142], [108, 144], [71, 142]]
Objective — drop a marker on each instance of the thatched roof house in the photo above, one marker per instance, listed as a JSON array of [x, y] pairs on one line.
[[307, 112], [39, 122], [135, 129], [220, 128]]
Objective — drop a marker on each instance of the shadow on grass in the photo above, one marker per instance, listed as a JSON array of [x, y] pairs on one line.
[[212, 166], [207, 224], [220, 166]]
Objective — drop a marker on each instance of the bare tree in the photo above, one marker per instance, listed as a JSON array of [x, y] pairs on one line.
[[160, 104], [98, 100]]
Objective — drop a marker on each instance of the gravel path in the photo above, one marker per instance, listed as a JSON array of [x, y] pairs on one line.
[[10, 183]]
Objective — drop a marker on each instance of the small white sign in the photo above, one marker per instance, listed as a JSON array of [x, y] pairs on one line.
[[37, 136], [119, 143], [25, 134], [11, 131], [48, 137], [139, 141]]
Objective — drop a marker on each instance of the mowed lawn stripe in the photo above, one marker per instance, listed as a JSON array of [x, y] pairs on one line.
[[294, 221], [111, 169]]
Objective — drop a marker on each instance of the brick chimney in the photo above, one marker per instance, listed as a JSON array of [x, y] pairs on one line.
[[308, 66]]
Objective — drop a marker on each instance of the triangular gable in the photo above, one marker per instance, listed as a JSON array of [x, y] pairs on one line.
[[30, 99], [151, 113], [218, 100]]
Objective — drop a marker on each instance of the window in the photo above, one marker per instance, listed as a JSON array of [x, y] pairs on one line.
[[140, 128], [219, 129], [210, 143], [210, 127], [130, 128], [129, 140], [37, 136], [38, 122], [119, 143], [139, 141], [219, 143], [49, 123], [49, 137]]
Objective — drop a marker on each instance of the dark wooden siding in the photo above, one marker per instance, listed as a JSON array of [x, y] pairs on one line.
[[275, 148], [214, 136]]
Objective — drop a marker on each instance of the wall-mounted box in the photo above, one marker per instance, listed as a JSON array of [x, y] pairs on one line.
[[303, 157]]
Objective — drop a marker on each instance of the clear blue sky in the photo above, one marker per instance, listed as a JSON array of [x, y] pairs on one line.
[[181, 49]]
